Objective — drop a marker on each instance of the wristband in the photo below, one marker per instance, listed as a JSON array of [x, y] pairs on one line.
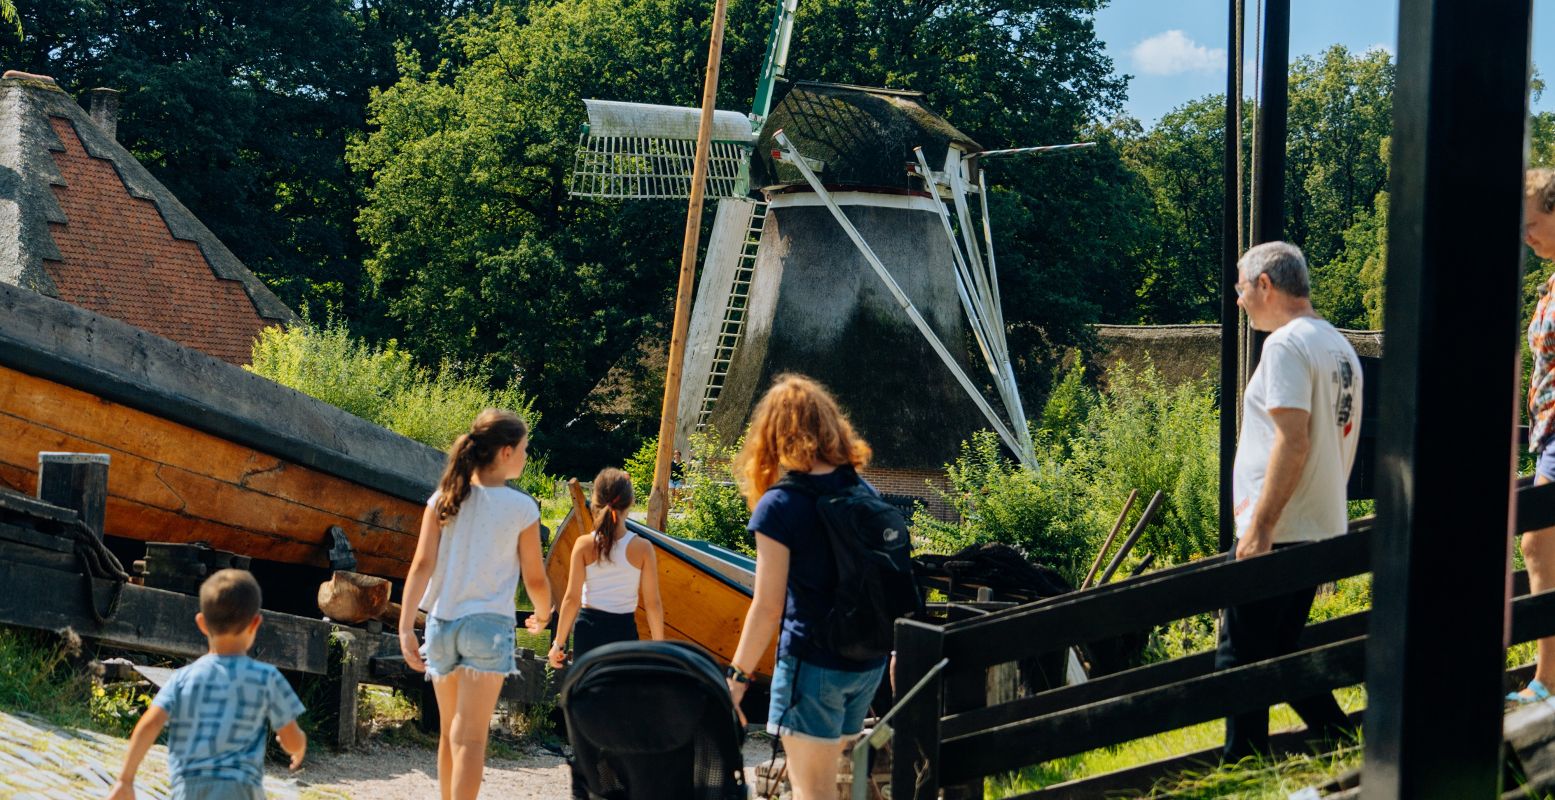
[[736, 674]]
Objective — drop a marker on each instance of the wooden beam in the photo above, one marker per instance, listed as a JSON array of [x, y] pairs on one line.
[[1451, 394], [1087, 617], [148, 620], [1133, 716]]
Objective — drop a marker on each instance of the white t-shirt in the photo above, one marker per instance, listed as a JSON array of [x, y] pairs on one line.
[[477, 556], [1306, 365]]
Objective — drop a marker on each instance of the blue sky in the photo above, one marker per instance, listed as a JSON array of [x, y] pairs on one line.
[[1175, 50]]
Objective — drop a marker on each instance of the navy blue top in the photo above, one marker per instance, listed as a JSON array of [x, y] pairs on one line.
[[789, 518]]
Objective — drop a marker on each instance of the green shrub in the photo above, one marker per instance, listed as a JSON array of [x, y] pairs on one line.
[[710, 506], [384, 386], [1092, 448], [640, 468]]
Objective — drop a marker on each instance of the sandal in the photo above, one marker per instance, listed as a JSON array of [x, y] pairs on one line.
[[1534, 692]]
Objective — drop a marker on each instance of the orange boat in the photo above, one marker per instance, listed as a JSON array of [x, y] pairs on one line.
[[706, 589], [202, 450]]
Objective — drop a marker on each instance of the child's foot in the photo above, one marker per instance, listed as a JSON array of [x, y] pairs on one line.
[[1534, 692]]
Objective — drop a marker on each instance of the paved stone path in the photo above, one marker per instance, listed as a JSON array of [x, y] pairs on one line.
[[42, 761]]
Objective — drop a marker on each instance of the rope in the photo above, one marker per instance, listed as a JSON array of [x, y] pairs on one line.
[[97, 561]]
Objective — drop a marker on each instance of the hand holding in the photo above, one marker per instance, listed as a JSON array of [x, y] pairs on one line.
[[737, 693], [557, 658], [536, 623]]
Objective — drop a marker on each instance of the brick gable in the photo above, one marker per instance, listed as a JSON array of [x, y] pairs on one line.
[[117, 257]]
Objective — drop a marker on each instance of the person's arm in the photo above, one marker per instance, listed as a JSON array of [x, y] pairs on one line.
[[145, 735], [532, 566], [1292, 443], [421, 566], [648, 585], [293, 741], [577, 567], [766, 611]]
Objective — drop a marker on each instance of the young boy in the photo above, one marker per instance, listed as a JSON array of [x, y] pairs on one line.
[[217, 709]]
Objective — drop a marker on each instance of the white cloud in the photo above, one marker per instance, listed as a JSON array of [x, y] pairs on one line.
[[1173, 53]]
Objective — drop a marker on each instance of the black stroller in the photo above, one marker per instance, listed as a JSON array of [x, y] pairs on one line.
[[651, 720]]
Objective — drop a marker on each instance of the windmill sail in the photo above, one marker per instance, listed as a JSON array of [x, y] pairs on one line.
[[645, 151]]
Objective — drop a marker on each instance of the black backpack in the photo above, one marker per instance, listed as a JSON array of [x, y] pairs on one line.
[[872, 551]]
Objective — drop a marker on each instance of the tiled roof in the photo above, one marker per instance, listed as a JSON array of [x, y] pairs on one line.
[[83, 221]]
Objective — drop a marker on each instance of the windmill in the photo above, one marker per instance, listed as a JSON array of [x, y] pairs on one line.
[[788, 278]]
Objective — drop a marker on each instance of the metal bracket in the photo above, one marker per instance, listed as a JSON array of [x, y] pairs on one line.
[[341, 556]]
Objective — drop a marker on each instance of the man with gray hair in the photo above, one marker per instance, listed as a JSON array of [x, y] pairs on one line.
[[1301, 419]]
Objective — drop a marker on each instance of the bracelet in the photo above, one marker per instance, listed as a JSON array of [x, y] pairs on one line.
[[736, 674]]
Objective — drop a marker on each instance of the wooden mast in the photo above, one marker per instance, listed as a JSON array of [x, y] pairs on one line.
[[658, 500]]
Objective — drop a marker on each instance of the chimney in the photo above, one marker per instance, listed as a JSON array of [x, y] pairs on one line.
[[103, 105]]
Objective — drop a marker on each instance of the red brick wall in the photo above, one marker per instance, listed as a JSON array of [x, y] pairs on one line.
[[915, 483], [119, 259]]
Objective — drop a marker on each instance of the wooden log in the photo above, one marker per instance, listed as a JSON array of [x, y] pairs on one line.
[[77, 481], [354, 598], [1133, 494]]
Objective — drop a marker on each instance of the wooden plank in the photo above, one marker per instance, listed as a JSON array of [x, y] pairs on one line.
[[1536, 507], [1153, 711], [1088, 616], [915, 742], [149, 620], [1130, 681]]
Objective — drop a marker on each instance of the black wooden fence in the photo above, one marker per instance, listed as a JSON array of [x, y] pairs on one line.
[[949, 738]]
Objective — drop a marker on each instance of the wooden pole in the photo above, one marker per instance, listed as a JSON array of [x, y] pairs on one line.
[[1133, 494], [658, 499]]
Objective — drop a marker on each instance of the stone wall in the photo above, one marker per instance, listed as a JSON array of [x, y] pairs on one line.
[[1186, 352]]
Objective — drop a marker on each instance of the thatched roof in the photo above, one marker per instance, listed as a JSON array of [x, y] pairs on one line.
[[863, 137]]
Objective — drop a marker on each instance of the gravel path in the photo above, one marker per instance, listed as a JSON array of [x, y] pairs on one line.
[[40, 761]]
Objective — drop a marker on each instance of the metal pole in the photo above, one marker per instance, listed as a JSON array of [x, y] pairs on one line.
[[658, 500], [1445, 510], [1269, 189], [1230, 316]]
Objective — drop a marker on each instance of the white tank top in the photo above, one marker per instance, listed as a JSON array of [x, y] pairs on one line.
[[611, 586]]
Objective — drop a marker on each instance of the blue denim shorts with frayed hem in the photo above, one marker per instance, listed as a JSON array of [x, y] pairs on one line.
[[478, 642], [817, 702]]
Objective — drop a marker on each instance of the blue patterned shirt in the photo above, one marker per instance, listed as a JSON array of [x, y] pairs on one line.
[[220, 709]]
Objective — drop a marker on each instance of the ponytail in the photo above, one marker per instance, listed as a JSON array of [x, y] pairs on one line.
[[612, 499], [492, 430]]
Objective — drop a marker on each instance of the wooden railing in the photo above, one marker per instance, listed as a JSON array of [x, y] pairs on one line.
[[949, 738]]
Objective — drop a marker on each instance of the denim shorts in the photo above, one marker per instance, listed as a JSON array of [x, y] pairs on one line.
[[817, 702], [479, 642], [1545, 466]]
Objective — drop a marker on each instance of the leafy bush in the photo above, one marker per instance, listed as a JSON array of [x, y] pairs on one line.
[[710, 506], [383, 385], [640, 467], [1092, 448]]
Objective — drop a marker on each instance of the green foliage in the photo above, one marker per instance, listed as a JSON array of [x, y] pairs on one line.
[[710, 506], [38, 675], [382, 384], [1093, 448], [640, 467]]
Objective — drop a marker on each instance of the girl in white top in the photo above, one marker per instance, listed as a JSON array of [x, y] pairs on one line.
[[609, 570], [477, 538]]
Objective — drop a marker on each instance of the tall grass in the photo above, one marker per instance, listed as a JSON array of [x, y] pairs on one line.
[[383, 385]]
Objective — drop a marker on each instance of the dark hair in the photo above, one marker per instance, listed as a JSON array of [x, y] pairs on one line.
[[492, 430], [229, 601], [612, 499]]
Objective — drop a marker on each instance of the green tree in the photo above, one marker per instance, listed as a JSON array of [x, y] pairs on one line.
[[479, 253]]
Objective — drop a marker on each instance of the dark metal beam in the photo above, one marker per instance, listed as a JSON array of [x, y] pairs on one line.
[[1268, 220], [1435, 660], [1230, 320]]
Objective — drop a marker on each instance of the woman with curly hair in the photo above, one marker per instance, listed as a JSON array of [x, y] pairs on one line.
[[819, 698]]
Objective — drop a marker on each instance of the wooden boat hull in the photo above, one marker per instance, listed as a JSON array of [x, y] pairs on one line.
[[201, 450], [700, 604]]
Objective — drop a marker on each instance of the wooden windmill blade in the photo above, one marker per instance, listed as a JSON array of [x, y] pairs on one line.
[[645, 151]]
